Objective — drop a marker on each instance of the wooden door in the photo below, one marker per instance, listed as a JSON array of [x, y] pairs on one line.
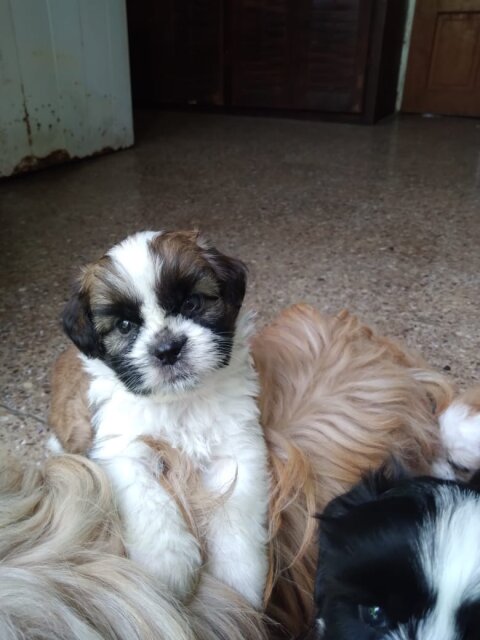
[[443, 73]]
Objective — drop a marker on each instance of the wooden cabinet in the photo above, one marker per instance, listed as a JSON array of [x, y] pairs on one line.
[[190, 52], [300, 54], [331, 48], [321, 56], [177, 51], [261, 65]]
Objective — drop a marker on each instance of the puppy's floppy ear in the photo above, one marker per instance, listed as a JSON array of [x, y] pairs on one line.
[[335, 528], [78, 324], [231, 273], [332, 524], [370, 488], [474, 482]]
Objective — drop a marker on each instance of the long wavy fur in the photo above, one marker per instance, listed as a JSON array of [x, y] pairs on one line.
[[63, 574], [337, 400]]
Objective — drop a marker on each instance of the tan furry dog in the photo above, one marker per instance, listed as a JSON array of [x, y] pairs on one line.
[[336, 400], [62, 574]]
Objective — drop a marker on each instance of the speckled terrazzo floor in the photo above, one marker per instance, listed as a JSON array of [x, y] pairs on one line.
[[382, 220]]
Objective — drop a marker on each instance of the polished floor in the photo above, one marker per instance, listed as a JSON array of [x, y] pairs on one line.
[[383, 220]]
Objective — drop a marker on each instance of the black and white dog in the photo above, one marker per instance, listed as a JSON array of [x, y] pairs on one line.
[[400, 560]]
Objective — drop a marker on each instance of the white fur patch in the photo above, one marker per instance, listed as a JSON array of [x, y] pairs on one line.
[[449, 555], [135, 263], [54, 446], [460, 429]]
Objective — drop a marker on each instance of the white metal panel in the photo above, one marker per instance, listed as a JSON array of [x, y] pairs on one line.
[[14, 136], [64, 80], [36, 61], [71, 112]]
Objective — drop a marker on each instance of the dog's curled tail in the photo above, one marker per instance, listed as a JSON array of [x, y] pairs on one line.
[[63, 574]]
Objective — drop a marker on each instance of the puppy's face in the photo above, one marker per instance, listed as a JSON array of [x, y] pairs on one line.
[[159, 309], [400, 560]]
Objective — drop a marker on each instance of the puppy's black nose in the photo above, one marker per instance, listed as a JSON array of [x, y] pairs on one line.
[[168, 352]]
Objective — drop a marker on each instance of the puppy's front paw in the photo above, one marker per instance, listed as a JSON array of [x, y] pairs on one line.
[[240, 560], [246, 577], [174, 563]]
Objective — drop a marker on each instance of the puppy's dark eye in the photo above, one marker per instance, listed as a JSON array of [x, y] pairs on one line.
[[124, 326], [193, 303], [374, 616]]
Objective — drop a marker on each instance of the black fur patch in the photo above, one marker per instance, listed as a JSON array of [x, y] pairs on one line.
[[127, 373], [188, 268], [78, 324], [367, 557], [121, 309], [370, 577], [468, 620]]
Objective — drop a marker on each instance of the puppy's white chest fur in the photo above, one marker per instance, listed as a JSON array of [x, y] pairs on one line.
[[217, 427], [199, 423]]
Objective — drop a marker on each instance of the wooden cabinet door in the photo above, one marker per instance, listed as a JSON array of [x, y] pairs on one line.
[[300, 54], [261, 60], [443, 73], [188, 52], [331, 48]]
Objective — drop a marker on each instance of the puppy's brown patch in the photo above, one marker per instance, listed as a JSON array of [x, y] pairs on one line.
[[471, 398], [69, 412], [189, 265], [184, 269]]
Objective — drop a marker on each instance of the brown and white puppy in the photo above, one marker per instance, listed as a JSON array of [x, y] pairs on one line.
[[167, 356], [336, 401]]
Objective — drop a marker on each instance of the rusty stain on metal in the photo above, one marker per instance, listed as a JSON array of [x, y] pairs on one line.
[[49, 116], [102, 152], [32, 163]]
